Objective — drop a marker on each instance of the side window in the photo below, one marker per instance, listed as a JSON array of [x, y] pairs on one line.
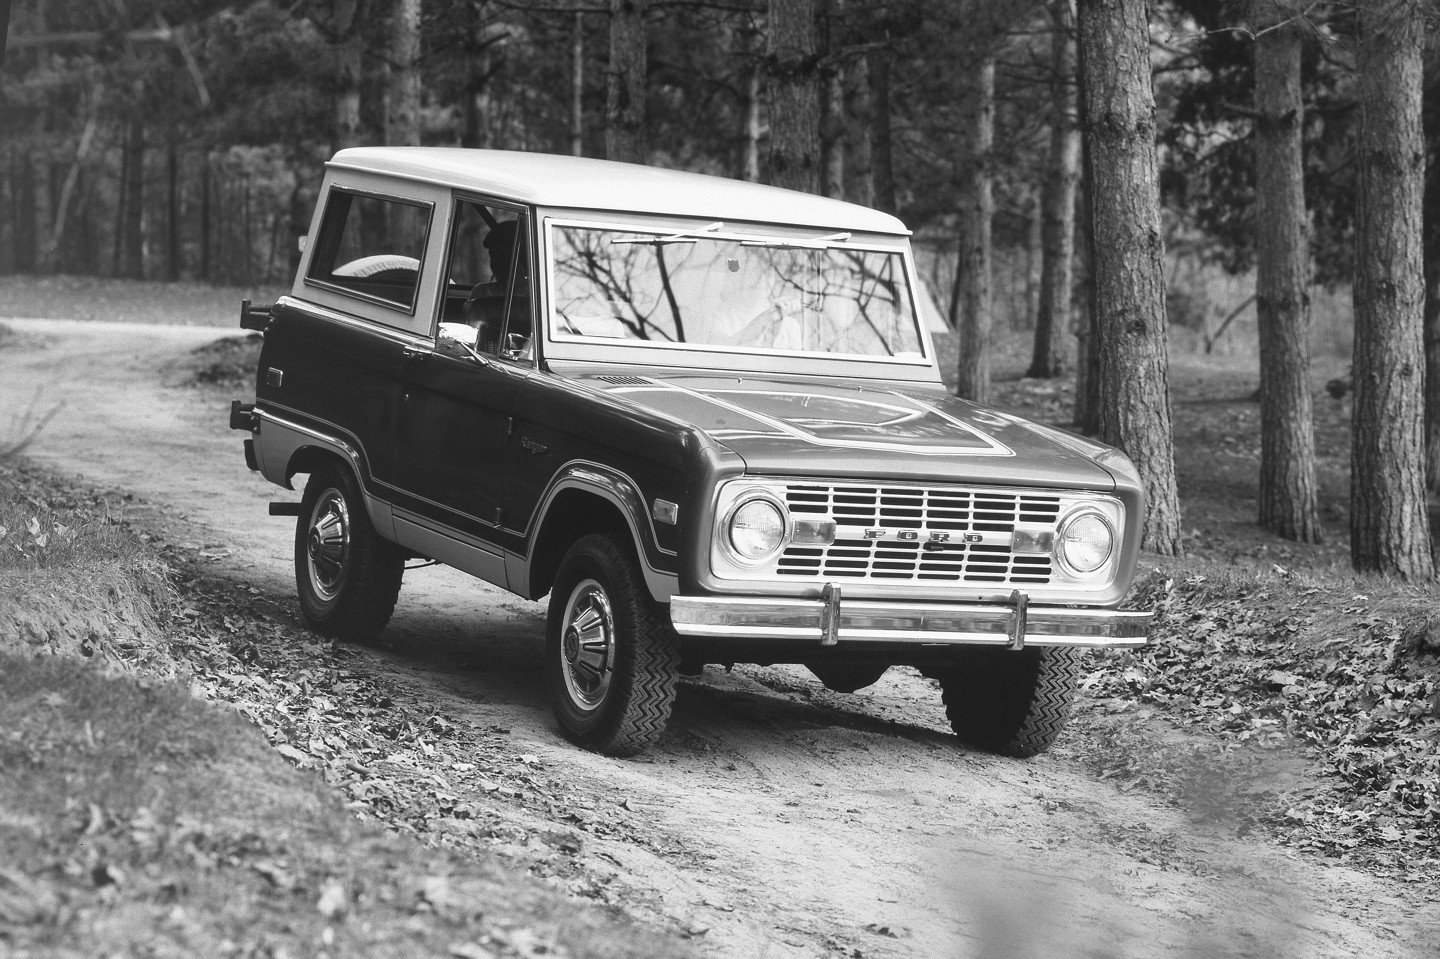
[[487, 281], [372, 246]]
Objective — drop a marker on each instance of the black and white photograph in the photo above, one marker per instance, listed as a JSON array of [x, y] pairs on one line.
[[720, 479]]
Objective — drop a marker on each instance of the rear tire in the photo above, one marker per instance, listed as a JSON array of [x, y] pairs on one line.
[[346, 576], [611, 656], [1010, 702]]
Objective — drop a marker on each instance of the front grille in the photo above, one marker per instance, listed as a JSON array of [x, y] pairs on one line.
[[993, 514]]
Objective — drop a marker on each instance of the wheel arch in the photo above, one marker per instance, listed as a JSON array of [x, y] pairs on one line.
[[309, 459], [583, 502]]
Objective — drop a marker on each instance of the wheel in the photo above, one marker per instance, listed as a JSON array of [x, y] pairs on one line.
[[612, 658], [847, 677], [1011, 702], [346, 576]]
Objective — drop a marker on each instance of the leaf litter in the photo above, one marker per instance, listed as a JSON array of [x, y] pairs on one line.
[[1266, 667]]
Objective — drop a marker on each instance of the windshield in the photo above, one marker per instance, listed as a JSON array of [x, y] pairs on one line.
[[712, 288]]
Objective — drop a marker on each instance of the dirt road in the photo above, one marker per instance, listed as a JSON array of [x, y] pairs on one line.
[[775, 818]]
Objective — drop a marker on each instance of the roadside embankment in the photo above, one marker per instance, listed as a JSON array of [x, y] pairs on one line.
[[139, 819]]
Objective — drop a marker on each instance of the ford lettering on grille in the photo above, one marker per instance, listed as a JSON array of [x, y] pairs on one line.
[[922, 534]]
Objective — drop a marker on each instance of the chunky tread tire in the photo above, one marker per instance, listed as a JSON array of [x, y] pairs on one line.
[[1011, 702], [635, 708], [365, 598]]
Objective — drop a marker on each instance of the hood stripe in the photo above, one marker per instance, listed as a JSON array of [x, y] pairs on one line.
[[989, 448]]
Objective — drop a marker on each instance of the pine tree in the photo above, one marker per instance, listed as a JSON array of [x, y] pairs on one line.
[[1389, 530], [1128, 269]]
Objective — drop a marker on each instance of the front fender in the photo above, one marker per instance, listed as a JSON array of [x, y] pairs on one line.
[[657, 563]]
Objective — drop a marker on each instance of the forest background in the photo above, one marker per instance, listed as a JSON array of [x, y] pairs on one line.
[[1238, 154]]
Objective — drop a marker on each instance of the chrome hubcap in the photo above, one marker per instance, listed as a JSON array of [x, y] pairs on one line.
[[327, 545], [587, 645]]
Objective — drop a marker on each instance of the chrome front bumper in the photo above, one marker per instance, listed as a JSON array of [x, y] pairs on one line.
[[828, 621]]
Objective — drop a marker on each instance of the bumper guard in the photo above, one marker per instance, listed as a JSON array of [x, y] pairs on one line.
[[828, 621]]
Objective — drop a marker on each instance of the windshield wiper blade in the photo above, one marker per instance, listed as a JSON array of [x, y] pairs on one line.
[[818, 243], [687, 236]]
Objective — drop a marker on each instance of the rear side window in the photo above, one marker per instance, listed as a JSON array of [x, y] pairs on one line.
[[371, 247]]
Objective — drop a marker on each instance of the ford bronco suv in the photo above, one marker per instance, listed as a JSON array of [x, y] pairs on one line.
[[703, 416]]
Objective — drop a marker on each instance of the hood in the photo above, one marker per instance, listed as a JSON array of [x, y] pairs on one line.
[[817, 427]]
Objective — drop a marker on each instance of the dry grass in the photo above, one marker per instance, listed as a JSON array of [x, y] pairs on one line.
[[136, 819], [26, 424], [73, 578], [140, 821]]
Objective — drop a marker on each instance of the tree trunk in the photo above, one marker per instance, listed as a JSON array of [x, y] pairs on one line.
[[302, 200], [85, 237], [172, 210], [860, 169], [23, 190], [1282, 278], [130, 246], [1024, 317], [247, 231], [402, 92], [750, 160], [1128, 269], [577, 85], [4, 29], [882, 145], [834, 126], [349, 53], [793, 69], [977, 209], [626, 133], [484, 57], [1087, 362], [207, 263], [1431, 226], [64, 201], [1057, 201], [957, 284], [832, 144], [1389, 531]]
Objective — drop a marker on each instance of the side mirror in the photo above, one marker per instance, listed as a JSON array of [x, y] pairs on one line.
[[460, 333], [302, 242]]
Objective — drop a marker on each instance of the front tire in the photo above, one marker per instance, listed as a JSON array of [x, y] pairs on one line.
[[612, 659], [1010, 702], [847, 677], [346, 576]]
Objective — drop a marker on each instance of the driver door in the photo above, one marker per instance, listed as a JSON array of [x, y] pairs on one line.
[[458, 400]]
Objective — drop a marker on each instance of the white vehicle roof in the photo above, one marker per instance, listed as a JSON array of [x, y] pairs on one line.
[[545, 179]]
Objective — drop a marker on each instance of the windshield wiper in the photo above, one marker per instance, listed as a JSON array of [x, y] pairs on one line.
[[687, 236], [819, 243]]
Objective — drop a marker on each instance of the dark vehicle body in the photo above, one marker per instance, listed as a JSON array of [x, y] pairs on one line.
[[791, 483]]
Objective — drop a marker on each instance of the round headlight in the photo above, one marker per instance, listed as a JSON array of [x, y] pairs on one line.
[[757, 528], [1085, 542]]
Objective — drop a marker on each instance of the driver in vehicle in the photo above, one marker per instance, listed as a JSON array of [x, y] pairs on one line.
[[485, 307]]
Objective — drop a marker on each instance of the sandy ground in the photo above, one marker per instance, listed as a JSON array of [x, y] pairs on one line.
[[775, 818]]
